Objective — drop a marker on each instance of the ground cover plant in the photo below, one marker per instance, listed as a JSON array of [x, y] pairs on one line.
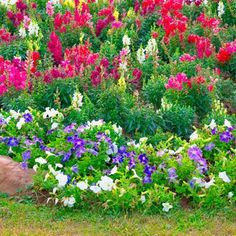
[[121, 105]]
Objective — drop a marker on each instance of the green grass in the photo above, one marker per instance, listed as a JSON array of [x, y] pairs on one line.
[[26, 218]]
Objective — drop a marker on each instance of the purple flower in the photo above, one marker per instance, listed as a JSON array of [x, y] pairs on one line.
[[24, 165], [2, 121], [162, 166], [68, 179], [226, 137], [103, 137], [12, 142], [80, 151], [69, 128], [192, 183], [194, 153], [75, 169], [172, 176], [149, 170], [143, 159], [28, 117], [26, 155], [214, 131], [209, 147], [147, 180], [117, 159], [132, 162], [66, 156], [93, 151]]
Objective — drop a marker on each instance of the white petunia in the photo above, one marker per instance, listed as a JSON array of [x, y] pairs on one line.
[[143, 199], [68, 201], [166, 206], [15, 114], [54, 125], [20, 123], [95, 189], [210, 183], [113, 170], [106, 183], [227, 124], [41, 160], [82, 185], [230, 194], [50, 113], [224, 177], [194, 136], [212, 125], [35, 167], [62, 180], [59, 165]]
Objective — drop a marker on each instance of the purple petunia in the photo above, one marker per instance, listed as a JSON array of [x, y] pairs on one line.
[[24, 165], [147, 180], [66, 156], [172, 175], [149, 170], [75, 169], [209, 147], [26, 155], [226, 137], [12, 142], [143, 159], [195, 153], [28, 117]]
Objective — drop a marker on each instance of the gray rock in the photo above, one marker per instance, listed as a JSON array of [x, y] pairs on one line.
[[12, 177]]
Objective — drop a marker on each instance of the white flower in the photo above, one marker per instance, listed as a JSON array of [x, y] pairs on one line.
[[212, 124], [94, 123], [210, 183], [54, 125], [113, 149], [194, 136], [166, 206], [135, 174], [15, 114], [230, 194], [152, 46], [50, 113], [224, 177], [82, 185], [51, 169], [22, 32], [68, 201], [143, 199], [77, 101], [126, 40], [62, 180], [59, 165], [35, 167], [95, 189], [113, 170], [143, 140], [205, 2], [227, 124], [220, 9], [20, 123], [117, 129], [141, 55], [33, 28], [41, 160], [106, 183], [123, 66]]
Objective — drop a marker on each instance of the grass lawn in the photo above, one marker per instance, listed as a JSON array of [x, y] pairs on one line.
[[26, 218]]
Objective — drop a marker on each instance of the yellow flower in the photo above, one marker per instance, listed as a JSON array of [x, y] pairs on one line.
[[116, 15], [69, 3], [122, 84], [130, 13]]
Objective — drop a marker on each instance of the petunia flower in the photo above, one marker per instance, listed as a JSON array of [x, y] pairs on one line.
[[224, 177], [166, 206]]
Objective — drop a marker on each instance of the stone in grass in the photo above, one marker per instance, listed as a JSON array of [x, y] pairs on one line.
[[12, 177]]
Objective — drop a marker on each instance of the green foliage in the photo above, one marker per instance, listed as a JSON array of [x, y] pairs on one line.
[[178, 119], [154, 90]]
